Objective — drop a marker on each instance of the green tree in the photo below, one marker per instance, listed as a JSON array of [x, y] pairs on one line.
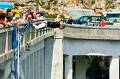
[[49, 4], [93, 1], [109, 1]]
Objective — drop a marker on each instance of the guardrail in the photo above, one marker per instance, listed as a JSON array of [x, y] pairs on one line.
[[31, 33], [86, 32]]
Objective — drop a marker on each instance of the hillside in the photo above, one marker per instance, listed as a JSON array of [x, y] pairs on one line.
[[102, 5]]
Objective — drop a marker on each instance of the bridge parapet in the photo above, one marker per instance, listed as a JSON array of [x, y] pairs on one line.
[[85, 32], [30, 36]]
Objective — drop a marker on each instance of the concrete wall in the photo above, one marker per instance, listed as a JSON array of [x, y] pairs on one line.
[[80, 68], [48, 56], [88, 47], [80, 32], [37, 62], [68, 67], [6, 69], [33, 62]]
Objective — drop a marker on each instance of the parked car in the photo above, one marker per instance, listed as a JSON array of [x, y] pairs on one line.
[[94, 19], [77, 12], [113, 17]]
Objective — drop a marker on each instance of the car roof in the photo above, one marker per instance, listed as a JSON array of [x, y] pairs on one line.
[[93, 16], [117, 12]]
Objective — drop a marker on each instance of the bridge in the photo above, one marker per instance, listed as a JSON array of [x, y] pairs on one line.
[[60, 53]]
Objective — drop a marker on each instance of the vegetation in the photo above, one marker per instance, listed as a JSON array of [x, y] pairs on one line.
[[50, 15], [93, 1], [48, 5], [53, 16], [109, 1]]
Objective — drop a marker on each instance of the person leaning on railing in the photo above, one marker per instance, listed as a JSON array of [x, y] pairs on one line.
[[16, 13], [58, 24], [52, 24], [3, 19]]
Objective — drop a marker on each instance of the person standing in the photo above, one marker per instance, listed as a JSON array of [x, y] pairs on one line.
[[102, 23], [70, 20]]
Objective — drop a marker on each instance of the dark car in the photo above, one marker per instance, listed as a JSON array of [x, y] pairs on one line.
[[94, 19]]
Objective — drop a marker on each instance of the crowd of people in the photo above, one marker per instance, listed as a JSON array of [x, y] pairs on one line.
[[88, 22], [8, 17], [101, 23]]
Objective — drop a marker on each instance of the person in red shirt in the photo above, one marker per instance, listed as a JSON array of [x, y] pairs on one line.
[[5, 17], [2, 17], [3, 14], [102, 23]]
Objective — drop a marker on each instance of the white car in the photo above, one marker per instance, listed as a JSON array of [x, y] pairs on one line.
[[113, 17]]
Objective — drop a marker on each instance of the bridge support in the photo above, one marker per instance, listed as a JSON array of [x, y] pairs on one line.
[[114, 68], [81, 67], [57, 60], [7, 69], [69, 67]]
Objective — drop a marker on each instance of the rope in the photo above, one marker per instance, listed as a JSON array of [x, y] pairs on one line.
[[17, 42]]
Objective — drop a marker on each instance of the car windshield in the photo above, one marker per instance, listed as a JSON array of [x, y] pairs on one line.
[[113, 15], [96, 18], [93, 18]]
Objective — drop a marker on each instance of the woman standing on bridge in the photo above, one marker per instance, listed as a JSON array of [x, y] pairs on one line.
[[102, 23]]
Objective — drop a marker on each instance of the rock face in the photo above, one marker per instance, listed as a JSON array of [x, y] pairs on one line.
[[103, 5], [89, 3], [117, 3], [100, 3]]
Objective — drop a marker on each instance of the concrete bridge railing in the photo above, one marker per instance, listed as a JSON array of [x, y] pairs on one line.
[[30, 36], [70, 31], [80, 32]]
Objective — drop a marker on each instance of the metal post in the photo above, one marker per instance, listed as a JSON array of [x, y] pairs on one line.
[[18, 54], [16, 60], [17, 57], [6, 44]]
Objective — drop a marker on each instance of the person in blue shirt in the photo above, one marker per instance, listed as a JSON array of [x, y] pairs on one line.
[[88, 23]]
